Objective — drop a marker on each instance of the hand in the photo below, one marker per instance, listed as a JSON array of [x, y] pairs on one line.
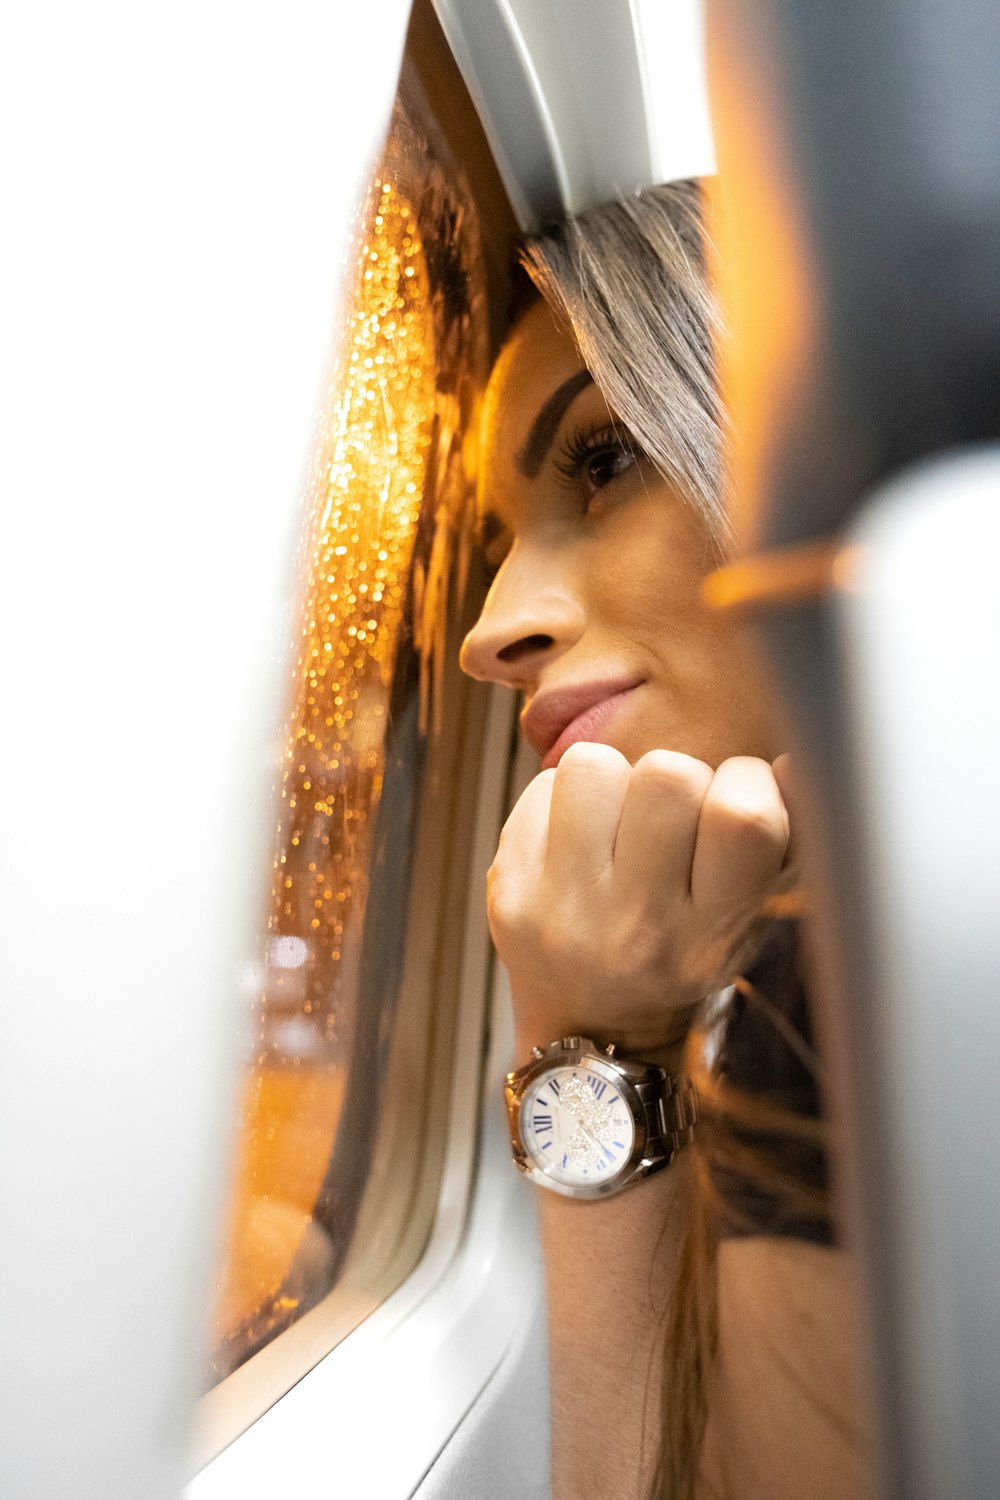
[[620, 895]]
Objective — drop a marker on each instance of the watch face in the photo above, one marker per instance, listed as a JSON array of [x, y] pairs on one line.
[[576, 1125]]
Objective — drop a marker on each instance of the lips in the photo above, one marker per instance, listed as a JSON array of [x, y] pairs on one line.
[[559, 718]]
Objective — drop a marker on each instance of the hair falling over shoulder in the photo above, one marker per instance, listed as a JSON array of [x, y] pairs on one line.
[[749, 1148]]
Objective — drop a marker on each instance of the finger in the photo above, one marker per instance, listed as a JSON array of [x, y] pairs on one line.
[[511, 884], [525, 835], [659, 826], [587, 796], [790, 898], [742, 836], [786, 775]]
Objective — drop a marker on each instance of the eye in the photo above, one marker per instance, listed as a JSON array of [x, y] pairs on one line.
[[605, 464], [593, 457]]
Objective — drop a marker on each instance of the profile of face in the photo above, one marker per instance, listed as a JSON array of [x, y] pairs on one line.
[[595, 613]]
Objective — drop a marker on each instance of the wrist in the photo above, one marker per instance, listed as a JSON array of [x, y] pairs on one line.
[[663, 1046], [589, 1122]]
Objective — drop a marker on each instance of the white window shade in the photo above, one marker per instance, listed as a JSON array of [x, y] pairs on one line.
[[180, 196], [584, 99], [672, 36]]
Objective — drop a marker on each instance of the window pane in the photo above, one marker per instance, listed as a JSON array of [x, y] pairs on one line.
[[383, 545]]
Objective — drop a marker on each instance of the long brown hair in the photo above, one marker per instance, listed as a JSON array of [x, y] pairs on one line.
[[742, 1138]]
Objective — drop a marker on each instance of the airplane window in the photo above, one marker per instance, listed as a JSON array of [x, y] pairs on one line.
[[326, 1136]]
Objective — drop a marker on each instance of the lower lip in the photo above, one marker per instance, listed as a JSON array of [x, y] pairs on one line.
[[591, 725]]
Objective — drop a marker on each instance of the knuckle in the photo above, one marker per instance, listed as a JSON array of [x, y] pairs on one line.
[[661, 762], [515, 914], [503, 903], [750, 823], [672, 768], [745, 775], [531, 804], [745, 795], [542, 783], [591, 759]]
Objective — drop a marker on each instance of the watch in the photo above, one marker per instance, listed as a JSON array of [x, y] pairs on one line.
[[587, 1123]]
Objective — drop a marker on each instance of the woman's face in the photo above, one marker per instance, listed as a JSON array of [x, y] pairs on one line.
[[595, 613]]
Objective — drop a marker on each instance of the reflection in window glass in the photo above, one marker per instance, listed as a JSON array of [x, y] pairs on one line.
[[384, 518]]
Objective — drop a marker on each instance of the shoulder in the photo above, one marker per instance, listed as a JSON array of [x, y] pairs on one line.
[[788, 1415]]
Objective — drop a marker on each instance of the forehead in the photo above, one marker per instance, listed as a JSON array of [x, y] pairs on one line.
[[538, 354], [538, 358]]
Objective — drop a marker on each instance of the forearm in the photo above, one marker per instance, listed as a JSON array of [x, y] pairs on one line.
[[609, 1271], [610, 1265]]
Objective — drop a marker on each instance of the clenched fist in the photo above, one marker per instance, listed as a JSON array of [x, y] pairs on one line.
[[620, 894]]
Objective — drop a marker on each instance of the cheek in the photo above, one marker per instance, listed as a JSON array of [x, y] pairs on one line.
[[707, 696], [647, 571]]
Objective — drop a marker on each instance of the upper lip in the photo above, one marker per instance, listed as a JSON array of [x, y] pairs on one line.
[[549, 713]]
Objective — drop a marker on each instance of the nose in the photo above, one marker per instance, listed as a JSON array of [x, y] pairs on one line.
[[532, 614]]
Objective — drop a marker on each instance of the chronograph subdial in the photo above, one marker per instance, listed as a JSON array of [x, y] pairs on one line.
[[576, 1126]]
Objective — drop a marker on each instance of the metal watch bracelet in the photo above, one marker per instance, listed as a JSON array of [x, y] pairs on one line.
[[586, 1122]]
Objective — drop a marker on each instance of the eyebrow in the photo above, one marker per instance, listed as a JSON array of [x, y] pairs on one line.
[[530, 458]]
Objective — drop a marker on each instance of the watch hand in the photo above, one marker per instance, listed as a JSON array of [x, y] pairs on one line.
[[578, 1116], [598, 1146]]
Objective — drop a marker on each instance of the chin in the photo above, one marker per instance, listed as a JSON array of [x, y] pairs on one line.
[[676, 741]]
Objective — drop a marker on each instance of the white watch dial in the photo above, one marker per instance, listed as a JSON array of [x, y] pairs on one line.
[[576, 1126]]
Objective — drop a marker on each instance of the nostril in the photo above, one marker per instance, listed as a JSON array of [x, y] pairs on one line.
[[526, 646]]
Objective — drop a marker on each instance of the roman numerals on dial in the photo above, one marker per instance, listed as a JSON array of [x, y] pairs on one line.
[[576, 1126]]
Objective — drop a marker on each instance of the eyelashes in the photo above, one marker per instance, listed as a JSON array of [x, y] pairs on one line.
[[595, 455], [586, 462]]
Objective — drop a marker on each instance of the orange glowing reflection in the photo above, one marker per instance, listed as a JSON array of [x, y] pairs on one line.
[[367, 486], [762, 267]]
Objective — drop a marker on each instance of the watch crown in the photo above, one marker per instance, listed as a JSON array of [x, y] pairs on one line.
[[610, 1049], [570, 1043], [537, 1052]]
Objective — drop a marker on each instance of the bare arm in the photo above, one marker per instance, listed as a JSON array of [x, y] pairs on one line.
[[609, 1266], [615, 897]]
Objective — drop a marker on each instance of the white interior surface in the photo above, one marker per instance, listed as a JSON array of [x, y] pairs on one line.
[[584, 99], [501, 1448], [672, 34], [584, 57], [177, 190], [919, 615]]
